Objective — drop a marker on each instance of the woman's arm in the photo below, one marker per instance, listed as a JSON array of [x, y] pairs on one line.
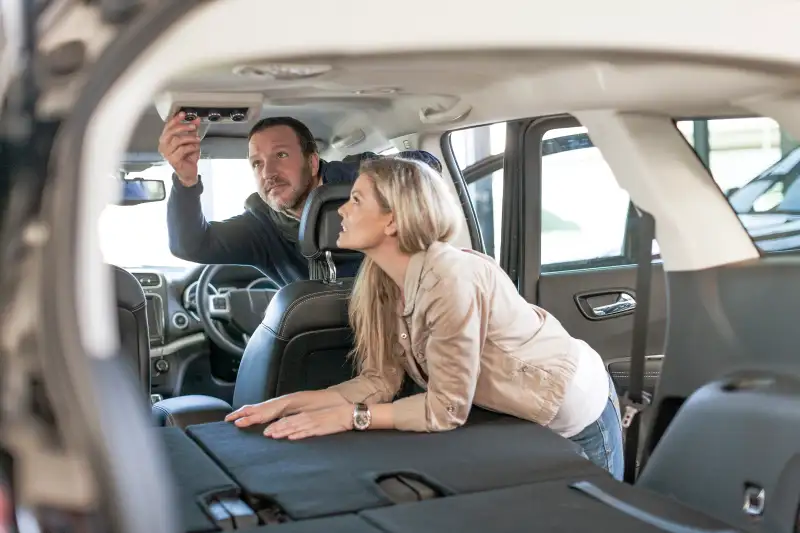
[[300, 402], [458, 318], [372, 385], [382, 416], [297, 402]]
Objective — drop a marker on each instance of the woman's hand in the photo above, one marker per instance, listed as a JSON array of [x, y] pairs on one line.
[[312, 423], [260, 413]]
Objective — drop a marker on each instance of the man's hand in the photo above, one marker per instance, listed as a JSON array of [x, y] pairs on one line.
[[179, 144], [260, 413], [312, 423]]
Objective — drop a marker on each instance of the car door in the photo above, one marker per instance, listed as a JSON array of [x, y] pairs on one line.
[[566, 234]]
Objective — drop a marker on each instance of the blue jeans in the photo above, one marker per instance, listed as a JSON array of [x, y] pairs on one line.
[[601, 440]]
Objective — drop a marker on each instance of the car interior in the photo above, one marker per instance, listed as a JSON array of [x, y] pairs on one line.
[[638, 190]]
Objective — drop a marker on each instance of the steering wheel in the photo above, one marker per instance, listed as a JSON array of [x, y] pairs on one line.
[[242, 308]]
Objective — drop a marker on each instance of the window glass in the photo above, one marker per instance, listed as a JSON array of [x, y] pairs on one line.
[[751, 160], [486, 193], [136, 236], [585, 213], [472, 147], [584, 210], [757, 166]]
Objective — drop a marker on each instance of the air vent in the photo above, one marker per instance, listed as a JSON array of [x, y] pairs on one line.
[[148, 280]]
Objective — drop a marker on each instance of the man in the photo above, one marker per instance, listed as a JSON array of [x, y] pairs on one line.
[[286, 166]]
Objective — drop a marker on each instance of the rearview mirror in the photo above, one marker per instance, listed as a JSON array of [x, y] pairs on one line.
[[141, 191]]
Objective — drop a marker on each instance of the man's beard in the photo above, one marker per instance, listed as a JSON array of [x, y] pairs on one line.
[[299, 193]]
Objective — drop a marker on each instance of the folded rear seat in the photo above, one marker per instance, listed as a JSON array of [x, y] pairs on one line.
[[351, 472], [599, 504], [334, 524], [200, 484]]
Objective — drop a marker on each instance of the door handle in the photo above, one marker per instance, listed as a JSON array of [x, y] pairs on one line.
[[624, 304]]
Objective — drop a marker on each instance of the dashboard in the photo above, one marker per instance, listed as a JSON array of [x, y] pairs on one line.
[[179, 347], [172, 298]]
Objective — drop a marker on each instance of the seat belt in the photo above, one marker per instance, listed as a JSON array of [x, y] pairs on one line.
[[633, 401]]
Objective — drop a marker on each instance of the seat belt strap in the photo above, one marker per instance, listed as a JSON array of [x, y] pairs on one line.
[[633, 403], [660, 522]]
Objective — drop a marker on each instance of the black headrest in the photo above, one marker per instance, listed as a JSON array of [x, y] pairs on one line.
[[320, 224]]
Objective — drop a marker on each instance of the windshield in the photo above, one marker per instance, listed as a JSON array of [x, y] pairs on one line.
[[136, 236]]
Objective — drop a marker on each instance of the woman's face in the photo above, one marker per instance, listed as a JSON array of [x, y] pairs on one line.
[[365, 225]]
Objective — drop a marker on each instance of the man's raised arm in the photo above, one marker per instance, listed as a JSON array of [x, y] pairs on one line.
[[191, 236]]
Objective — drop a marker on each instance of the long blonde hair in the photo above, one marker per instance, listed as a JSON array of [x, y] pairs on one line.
[[424, 212]]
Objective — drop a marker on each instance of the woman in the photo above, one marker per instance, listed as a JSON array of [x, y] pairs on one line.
[[452, 321]]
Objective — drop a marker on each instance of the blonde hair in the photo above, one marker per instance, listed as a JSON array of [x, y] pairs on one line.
[[424, 212]]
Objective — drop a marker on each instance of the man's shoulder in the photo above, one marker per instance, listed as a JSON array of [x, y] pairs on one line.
[[346, 170], [339, 171]]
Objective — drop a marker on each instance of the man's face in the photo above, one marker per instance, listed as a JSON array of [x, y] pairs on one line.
[[284, 177]]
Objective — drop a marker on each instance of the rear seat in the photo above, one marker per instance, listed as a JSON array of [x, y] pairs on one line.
[[335, 524], [548, 507], [198, 481], [351, 472], [497, 474]]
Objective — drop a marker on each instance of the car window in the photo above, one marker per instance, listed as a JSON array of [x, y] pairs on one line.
[[472, 147], [584, 210], [586, 214], [756, 165], [751, 160], [136, 236]]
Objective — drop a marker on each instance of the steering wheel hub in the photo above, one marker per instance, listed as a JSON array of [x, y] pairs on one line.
[[242, 308]]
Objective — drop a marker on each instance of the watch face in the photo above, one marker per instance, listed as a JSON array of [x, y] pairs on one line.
[[361, 418]]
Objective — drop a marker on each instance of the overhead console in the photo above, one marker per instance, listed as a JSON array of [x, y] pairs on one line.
[[210, 107]]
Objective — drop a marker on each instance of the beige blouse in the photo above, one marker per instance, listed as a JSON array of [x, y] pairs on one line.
[[467, 336]]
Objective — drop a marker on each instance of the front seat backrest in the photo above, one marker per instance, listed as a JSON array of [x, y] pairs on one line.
[[305, 338], [133, 332]]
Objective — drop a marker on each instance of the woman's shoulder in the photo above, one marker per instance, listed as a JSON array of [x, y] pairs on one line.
[[455, 267]]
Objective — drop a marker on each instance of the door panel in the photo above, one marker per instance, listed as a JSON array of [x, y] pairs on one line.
[[572, 296]]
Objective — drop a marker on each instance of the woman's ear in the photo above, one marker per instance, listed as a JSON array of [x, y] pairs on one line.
[[391, 228]]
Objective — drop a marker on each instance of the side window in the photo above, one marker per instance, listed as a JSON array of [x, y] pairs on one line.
[[757, 166], [479, 154], [585, 214], [584, 210]]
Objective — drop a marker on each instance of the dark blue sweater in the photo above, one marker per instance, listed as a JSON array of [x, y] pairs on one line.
[[259, 236]]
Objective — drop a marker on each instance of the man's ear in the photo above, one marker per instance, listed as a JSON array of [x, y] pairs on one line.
[[313, 162], [391, 228]]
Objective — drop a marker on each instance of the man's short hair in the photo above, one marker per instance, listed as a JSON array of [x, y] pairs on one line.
[[304, 136]]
